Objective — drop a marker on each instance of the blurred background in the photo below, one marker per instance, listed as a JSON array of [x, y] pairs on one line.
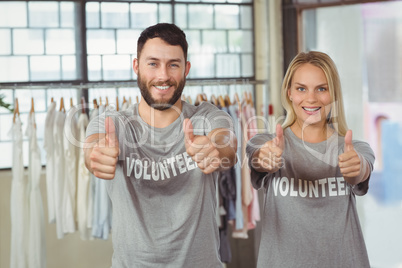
[[75, 52]]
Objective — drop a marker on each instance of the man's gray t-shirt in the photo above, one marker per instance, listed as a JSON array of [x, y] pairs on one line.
[[310, 218], [163, 205]]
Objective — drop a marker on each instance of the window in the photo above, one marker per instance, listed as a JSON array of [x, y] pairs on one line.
[[48, 52]]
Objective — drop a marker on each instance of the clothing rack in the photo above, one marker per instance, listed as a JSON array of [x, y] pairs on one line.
[[84, 86]]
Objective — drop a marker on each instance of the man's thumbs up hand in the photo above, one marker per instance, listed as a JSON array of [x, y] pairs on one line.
[[110, 133], [349, 161], [188, 132], [105, 153], [201, 149]]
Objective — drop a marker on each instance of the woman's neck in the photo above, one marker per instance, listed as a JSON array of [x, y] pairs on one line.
[[314, 133]]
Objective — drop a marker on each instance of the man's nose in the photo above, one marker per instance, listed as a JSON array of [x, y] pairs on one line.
[[163, 73]]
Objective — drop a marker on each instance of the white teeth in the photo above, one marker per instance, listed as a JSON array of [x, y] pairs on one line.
[[311, 109], [162, 87]]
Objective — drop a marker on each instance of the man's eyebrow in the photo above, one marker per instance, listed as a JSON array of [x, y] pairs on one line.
[[157, 59]]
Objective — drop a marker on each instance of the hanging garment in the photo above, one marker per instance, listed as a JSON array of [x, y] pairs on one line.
[[254, 207], [37, 239], [59, 175], [83, 182], [102, 212], [50, 164], [70, 167], [236, 116], [246, 187], [91, 190], [18, 202], [124, 106]]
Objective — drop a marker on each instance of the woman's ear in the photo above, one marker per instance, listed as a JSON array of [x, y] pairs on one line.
[[290, 98]]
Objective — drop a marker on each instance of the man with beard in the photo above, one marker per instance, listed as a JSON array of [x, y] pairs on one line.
[[160, 161]]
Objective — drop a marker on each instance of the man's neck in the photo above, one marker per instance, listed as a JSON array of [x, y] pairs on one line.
[[157, 118]]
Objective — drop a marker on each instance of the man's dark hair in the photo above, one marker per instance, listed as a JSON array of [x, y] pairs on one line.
[[169, 33]]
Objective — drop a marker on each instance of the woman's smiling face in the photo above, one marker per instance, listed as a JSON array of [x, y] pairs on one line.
[[309, 94]]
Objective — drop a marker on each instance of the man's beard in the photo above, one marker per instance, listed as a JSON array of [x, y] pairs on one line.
[[161, 104]]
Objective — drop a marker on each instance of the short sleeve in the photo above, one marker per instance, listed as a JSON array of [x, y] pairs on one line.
[[97, 124], [209, 117]]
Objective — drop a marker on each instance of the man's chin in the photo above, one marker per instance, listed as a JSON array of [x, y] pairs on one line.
[[161, 106]]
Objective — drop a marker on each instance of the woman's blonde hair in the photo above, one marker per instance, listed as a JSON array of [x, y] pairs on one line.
[[336, 118]]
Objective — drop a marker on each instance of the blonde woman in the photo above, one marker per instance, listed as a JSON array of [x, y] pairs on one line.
[[311, 171]]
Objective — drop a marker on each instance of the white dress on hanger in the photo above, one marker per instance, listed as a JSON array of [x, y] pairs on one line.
[[102, 212], [59, 171], [91, 190], [83, 182], [70, 165], [37, 240], [18, 202], [50, 164]]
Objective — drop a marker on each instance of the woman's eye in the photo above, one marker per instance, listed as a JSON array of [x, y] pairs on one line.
[[322, 89], [300, 89]]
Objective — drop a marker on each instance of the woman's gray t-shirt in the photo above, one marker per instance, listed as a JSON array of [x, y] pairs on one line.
[[163, 205], [310, 218]]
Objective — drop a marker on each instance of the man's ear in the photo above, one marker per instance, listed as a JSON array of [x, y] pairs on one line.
[[135, 66], [188, 66]]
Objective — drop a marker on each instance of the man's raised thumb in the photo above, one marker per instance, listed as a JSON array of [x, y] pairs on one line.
[[348, 141], [188, 131], [110, 132]]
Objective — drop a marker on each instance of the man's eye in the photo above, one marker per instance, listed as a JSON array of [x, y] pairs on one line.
[[152, 64]]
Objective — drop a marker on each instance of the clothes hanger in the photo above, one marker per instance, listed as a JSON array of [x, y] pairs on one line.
[[250, 99], [107, 101], [95, 104], [32, 106], [198, 99], [117, 103], [189, 100], [100, 101], [16, 110], [137, 99], [237, 100], [245, 97], [71, 103], [83, 104], [221, 101], [227, 100], [62, 109], [236, 97], [214, 100]]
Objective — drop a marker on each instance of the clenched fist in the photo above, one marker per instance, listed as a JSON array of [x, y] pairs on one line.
[[201, 149], [104, 154], [269, 157]]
